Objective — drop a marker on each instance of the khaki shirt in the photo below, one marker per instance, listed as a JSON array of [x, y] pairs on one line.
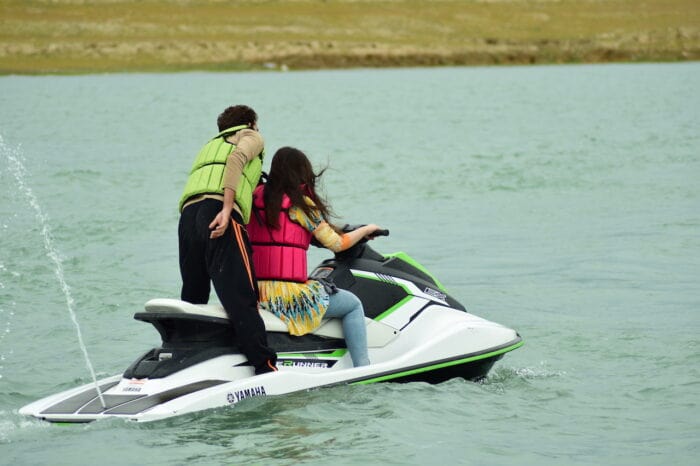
[[249, 143]]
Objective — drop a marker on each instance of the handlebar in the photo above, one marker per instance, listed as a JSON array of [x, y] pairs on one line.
[[379, 233], [347, 228]]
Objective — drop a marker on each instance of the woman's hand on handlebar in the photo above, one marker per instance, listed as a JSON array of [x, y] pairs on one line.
[[371, 231], [362, 233]]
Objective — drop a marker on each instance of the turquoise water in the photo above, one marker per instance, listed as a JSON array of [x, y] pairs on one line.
[[562, 201]]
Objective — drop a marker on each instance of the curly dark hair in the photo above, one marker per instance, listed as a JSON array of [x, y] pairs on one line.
[[235, 116], [291, 174]]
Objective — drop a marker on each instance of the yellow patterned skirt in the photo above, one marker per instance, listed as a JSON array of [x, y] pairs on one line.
[[300, 305]]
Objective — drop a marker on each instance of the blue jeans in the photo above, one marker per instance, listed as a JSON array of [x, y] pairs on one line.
[[347, 306]]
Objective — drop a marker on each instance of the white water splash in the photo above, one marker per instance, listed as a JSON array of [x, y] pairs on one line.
[[19, 172], [5, 316], [541, 372]]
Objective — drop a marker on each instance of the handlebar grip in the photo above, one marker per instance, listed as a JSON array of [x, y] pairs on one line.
[[380, 233]]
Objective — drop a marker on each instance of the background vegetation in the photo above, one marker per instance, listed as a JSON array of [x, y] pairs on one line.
[[74, 36]]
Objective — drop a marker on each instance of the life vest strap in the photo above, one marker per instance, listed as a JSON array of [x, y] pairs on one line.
[[230, 131]]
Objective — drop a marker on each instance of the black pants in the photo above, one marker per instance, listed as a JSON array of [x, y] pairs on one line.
[[227, 263]]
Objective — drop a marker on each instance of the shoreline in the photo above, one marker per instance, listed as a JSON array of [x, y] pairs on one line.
[[101, 36]]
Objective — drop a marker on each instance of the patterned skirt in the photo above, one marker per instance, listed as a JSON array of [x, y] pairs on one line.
[[300, 305]]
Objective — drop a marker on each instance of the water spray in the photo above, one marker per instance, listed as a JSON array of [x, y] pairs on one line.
[[19, 172]]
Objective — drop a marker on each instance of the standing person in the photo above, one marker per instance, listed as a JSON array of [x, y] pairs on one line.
[[214, 246], [287, 212]]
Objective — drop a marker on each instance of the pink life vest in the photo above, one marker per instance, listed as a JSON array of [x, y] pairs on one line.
[[278, 254]]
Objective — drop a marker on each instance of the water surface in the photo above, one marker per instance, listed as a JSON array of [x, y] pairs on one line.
[[562, 201]]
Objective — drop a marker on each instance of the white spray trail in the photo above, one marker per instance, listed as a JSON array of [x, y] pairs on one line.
[[18, 171]]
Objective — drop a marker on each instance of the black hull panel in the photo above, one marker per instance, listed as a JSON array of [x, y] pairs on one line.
[[470, 367], [474, 371]]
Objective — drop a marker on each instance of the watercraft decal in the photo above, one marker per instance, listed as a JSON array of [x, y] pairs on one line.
[[435, 294], [239, 395], [386, 278], [408, 286], [308, 363], [380, 277], [402, 256], [134, 385]]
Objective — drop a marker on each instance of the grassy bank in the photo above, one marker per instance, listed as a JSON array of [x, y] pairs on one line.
[[74, 36]]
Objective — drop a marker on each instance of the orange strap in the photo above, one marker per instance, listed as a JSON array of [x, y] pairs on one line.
[[238, 231]]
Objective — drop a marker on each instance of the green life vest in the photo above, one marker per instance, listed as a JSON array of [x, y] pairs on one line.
[[207, 174]]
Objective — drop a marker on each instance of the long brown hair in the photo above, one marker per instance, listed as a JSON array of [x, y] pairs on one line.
[[291, 173]]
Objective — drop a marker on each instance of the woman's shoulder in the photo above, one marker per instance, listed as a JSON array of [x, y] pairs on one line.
[[310, 220]]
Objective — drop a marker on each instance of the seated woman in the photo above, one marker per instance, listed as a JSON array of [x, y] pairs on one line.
[[287, 212]]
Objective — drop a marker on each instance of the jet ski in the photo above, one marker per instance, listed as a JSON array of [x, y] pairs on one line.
[[416, 331]]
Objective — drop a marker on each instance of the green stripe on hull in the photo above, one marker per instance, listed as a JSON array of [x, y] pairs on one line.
[[441, 365], [335, 354]]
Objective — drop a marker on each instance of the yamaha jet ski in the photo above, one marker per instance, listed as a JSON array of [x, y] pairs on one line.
[[416, 331]]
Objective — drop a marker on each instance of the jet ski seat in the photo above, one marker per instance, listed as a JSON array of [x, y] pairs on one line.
[[378, 334]]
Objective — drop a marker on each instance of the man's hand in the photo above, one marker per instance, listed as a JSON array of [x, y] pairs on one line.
[[220, 223]]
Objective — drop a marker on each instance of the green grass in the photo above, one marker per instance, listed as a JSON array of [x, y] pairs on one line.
[[77, 36]]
